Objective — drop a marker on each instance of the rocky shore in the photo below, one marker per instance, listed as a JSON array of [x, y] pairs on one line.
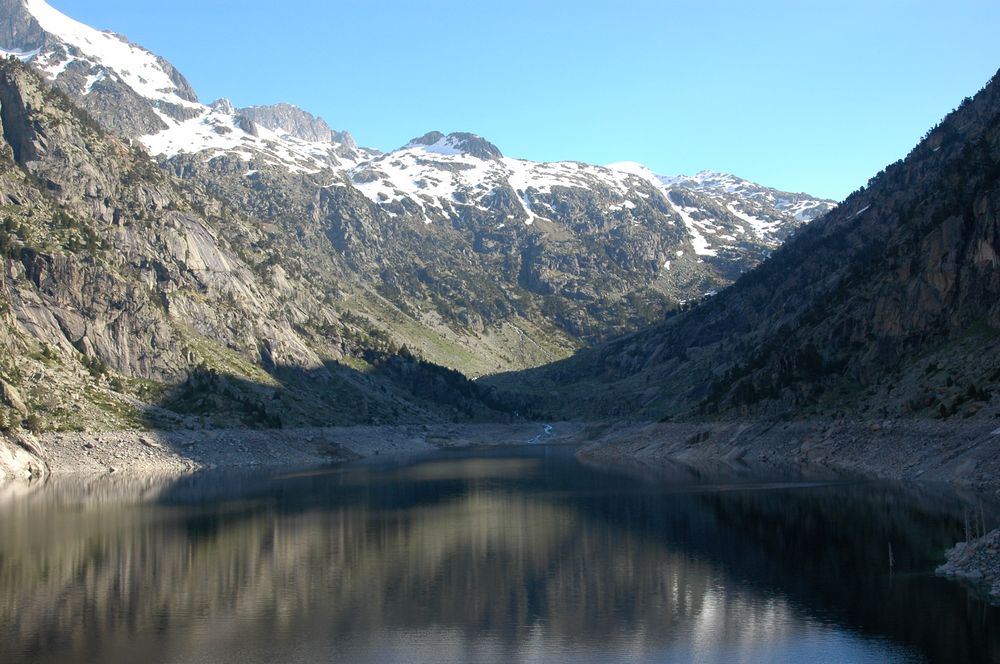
[[25, 456], [964, 452], [976, 562]]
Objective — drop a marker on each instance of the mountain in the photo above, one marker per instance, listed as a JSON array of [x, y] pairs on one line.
[[565, 253], [751, 199], [293, 121], [128, 299], [257, 262], [886, 306]]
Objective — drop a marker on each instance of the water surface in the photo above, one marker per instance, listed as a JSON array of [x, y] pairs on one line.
[[510, 555]]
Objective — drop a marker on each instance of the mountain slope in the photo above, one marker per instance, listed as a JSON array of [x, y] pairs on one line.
[[887, 305], [479, 261], [129, 298]]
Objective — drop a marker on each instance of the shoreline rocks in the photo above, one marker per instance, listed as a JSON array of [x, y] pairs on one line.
[[976, 562], [965, 453], [26, 456]]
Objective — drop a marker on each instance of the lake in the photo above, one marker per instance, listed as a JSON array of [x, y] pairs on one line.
[[502, 555]]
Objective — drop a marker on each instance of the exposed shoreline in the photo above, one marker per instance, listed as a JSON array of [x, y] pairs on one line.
[[976, 562], [26, 456], [964, 452]]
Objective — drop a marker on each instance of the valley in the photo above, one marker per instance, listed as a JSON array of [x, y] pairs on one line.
[[270, 394], [171, 265]]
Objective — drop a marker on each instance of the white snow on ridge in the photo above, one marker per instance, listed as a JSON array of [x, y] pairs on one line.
[[702, 247], [761, 227], [444, 146], [431, 178], [435, 178], [800, 206], [54, 64], [695, 229], [435, 175], [218, 132], [137, 67], [23, 56], [801, 209], [92, 80], [211, 131]]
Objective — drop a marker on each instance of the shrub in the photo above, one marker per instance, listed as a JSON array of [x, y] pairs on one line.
[[34, 423]]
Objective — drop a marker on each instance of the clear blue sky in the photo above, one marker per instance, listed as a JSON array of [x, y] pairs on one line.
[[800, 95]]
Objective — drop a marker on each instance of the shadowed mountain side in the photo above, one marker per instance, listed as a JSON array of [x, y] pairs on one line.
[[395, 389], [886, 306]]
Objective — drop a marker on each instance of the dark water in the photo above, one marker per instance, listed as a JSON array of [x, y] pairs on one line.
[[508, 556]]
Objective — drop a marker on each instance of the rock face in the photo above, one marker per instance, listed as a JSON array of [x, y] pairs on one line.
[[129, 297], [457, 143], [296, 122], [13, 398], [976, 561], [19, 31], [887, 305]]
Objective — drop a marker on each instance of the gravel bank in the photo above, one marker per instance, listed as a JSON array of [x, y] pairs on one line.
[[964, 452], [977, 562], [23, 455]]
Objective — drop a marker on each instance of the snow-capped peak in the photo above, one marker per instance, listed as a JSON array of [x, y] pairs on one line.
[[434, 175], [147, 75], [634, 168], [801, 206], [143, 96], [455, 144]]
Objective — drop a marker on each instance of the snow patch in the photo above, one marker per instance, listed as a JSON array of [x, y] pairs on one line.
[[702, 246], [762, 228], [23, 56], [93, 80], [219, 134]]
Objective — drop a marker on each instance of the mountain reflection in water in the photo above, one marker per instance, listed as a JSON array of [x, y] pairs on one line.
[[509, 555]]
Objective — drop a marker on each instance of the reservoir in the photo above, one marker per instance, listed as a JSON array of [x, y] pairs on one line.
[[519, 554]]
